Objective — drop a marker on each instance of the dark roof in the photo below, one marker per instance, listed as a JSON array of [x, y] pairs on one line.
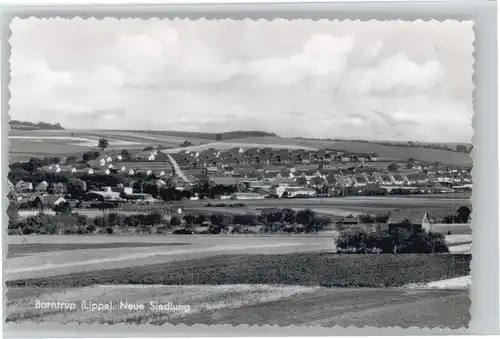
[[398, 216], [227, 181], [397, 177]]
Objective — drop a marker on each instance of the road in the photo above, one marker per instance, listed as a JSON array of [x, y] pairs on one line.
[[177, 169]]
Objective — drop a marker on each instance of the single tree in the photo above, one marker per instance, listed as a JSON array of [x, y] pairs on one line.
[[103, 144], [463, 214]]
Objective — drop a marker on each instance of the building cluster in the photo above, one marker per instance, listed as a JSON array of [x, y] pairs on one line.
[[258, 173]]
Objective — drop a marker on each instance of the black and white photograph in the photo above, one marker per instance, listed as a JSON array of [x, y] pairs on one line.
[[240, 172]]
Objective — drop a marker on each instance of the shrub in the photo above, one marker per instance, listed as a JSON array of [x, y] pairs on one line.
[[64, 207], [175, 221], [90, 228], [109, 230], [144, 229], [100, 221]]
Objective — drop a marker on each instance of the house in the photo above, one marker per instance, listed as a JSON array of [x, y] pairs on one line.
[[359, 181], [247, 196], [385, 179], [211, 169], [59, 188], [397, 179], [228, 170], [369, 179], [227, 181], [291, 192], [40, 201], [42, 186], [409, 219], [350, 220], [24, 187], [90, 171], [422, 179]]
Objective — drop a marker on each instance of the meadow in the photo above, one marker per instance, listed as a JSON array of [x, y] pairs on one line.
[[229, 279], [420, 153], [25, 144], [64, 142], [243, 304]]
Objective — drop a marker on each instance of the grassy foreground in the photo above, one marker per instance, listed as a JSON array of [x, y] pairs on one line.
[[306, 269]]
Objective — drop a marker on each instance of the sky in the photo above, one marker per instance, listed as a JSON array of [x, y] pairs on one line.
[[369, 80]]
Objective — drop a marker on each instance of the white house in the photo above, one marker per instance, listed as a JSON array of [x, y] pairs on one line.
[[119, 157], [397, 179], [160, 183], [58, 169], [152, 157], [108, 159], [110, 166], [247, 196], [300, 191], [73, 170], [123, 169], [162, 173], [131, 172], [90, 171], [149, 172], [102, 162], [107, 171]]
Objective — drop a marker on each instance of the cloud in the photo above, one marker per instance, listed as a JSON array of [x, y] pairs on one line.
[[295, 78]]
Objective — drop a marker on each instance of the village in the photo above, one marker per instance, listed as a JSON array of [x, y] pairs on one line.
[[237, 174]]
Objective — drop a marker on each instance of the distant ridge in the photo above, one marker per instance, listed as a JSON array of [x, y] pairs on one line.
[[242, 134], [26, 125]]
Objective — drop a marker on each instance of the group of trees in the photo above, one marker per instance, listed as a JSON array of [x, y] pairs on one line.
[[283, 217], [273, 220], [26, 125], [399, 240], [67, 222]]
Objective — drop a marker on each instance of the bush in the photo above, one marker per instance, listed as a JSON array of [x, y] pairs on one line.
[[109, 230], [64, 208], [175, 221], [144, 229], [90, 228]]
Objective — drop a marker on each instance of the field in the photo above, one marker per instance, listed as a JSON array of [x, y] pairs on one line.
[[437, 206], [25, 144], [230, 279], [250, 304], [291, 288], [65, 142]]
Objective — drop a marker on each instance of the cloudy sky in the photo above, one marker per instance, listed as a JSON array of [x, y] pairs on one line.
[[368, 80]]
